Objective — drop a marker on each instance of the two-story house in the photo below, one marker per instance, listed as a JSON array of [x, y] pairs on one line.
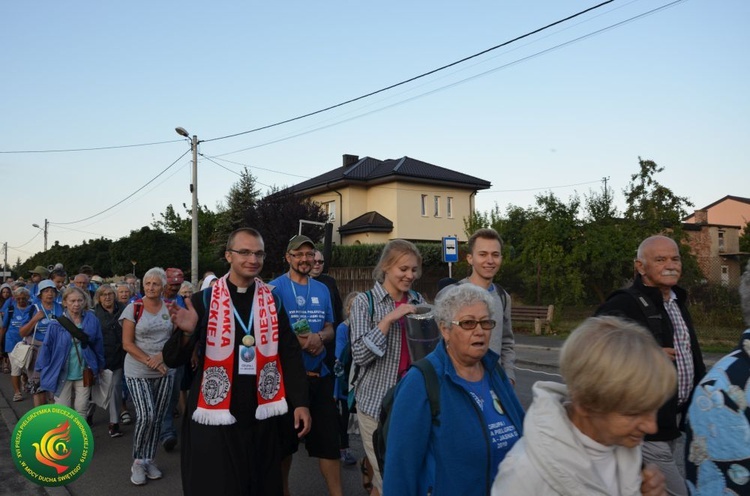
[[372, 201], [713, 233]]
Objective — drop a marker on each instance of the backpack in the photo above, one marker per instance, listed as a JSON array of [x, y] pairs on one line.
[[650, 312], [380, 435], [351, 400]]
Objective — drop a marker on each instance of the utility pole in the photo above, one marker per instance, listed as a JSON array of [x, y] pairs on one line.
[[45, 230], [194, 189]]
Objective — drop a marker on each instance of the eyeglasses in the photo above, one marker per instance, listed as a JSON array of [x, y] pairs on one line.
[[470, 324], [259, 255], [300, 256], [319, 262]]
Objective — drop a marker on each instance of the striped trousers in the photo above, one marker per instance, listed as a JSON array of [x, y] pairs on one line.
[[151, 399]]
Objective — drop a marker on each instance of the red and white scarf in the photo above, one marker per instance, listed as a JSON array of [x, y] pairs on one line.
[[218, 365]]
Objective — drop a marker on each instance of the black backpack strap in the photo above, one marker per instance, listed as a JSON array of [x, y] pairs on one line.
[[432, 383], [74, 330]]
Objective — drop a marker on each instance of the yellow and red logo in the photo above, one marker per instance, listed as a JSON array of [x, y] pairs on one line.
[[52, 445]]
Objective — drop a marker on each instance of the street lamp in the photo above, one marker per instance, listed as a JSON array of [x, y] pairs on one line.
[[46, 226], [194, 189]]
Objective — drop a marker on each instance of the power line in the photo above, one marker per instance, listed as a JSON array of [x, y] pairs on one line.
[[456, 83], [26, 243], [235, 172], [401, 83], [252, 167], [92, 149], [123, 200]]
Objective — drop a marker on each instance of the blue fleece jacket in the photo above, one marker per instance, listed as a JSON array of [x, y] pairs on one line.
[[52, 362], [453, 458]]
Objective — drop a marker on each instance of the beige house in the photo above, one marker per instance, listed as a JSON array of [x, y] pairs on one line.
[[728, 211], [715, 245], [373, 201]]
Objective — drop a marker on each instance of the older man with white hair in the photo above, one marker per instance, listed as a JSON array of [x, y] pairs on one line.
[[655, 301]]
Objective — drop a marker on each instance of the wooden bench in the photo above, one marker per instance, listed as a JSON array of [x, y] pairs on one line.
[[539, 315]]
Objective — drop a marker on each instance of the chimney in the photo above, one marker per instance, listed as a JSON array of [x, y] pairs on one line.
[[701, 216], [350, 159]]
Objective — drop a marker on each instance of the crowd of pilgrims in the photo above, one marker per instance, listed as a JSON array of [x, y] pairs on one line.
[[482, 442]]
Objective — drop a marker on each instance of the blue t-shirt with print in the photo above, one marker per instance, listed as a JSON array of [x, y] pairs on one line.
[[49, 315], [13, 325], [503, 434], [311, 301]]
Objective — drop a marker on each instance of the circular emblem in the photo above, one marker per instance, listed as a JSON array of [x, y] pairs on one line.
[[52, 445], [301, 301], [215, 385], [269, 381], [248, 340]]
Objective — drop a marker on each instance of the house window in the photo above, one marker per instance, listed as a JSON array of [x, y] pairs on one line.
[[721, 241], [437, 206], [424, 205], [449, 207], [725, 275], [330, 209]]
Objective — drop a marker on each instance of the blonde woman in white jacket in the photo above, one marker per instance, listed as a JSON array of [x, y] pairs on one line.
[[585, 438]]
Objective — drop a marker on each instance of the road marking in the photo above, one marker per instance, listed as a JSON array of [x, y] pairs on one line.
[[538, 372]]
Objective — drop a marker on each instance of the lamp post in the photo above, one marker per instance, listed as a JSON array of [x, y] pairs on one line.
[[46, 226], [194, 189]]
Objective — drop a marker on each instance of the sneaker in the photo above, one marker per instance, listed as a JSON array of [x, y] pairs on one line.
[[125, 417], [114, 430], [347, 458], [169, 444], [139, 473], [152, 471]]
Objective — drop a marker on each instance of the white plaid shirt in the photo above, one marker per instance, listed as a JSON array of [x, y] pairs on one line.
[[683, 353], [376, 354]]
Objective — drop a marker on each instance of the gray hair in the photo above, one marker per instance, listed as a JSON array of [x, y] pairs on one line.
[[84, 294], [156, 272], [454, 298], [646, 243], [21, 290], [745, 294]]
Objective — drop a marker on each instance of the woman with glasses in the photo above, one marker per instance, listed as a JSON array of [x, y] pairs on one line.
[[108, 310], [480, 417]]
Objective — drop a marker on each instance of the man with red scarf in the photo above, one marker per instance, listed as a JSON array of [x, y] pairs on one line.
[[251, 372]]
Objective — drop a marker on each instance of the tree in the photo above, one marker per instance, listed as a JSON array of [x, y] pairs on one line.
[[241, 198], [210, 244], [653, 208], [606, 250], [149, 248], [745, 239], [277, 217]]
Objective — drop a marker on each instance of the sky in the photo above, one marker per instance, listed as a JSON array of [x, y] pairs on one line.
[[558, 111]]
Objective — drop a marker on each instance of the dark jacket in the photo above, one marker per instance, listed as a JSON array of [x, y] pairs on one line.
[[114, 354], [338, 315], [624, 305]]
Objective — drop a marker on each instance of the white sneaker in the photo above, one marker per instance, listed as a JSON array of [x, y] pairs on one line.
[[139, 474], [152, 471]]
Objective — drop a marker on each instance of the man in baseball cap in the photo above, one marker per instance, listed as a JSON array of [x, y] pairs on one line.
[[37, 274], [297, 241]]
